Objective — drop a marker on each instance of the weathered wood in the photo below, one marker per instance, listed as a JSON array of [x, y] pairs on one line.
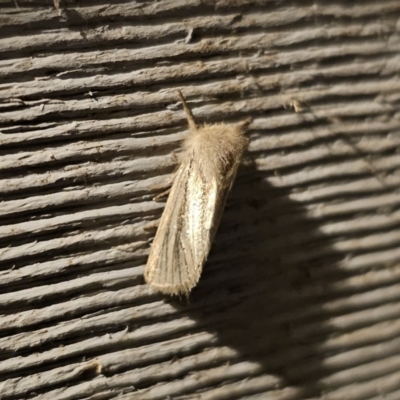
[[300, 297]]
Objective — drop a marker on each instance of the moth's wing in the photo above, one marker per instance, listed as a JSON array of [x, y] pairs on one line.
[[223, 193], [186, 229]]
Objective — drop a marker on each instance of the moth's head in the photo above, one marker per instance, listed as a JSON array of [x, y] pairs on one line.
[[217, 147]]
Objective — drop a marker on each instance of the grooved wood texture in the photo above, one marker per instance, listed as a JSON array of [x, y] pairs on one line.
[[300, 298]]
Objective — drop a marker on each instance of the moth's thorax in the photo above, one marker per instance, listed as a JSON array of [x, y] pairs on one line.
[[216, 148]]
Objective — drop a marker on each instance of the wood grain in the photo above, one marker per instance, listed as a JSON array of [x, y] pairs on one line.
[[300, 297]]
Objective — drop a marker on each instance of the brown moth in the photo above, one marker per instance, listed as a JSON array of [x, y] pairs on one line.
[[195, 204]]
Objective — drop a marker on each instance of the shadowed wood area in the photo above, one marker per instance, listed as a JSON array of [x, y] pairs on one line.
[[300, 296]]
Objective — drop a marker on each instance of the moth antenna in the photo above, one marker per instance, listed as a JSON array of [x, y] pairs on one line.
[[189, 115]]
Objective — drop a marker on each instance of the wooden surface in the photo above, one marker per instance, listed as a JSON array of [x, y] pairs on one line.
[[300, 298]]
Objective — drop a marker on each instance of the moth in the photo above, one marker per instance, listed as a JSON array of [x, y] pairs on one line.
[[194, 207]]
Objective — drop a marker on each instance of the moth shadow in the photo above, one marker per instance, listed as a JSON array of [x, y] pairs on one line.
[[264, 286]]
